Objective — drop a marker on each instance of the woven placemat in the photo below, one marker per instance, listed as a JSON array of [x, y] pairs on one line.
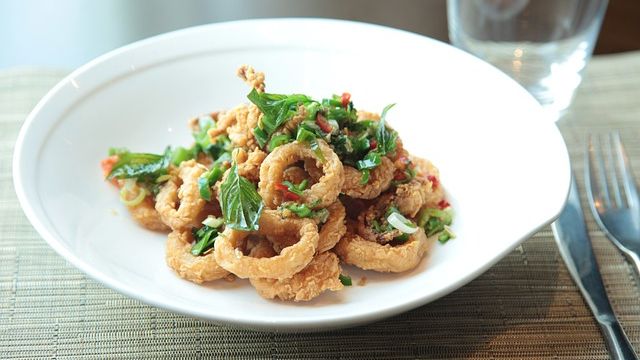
[[526, 306]]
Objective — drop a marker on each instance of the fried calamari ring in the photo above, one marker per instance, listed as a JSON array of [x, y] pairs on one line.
[[426, 170], [253, 78], [333, 229], [412, 196], [197, 269], [319, 195], [366, 115], [290, 261], [376, 212], [146, 215], [184, 190], [379, 180], [241, 130], [249, 163], [320, 275], [369, 255]]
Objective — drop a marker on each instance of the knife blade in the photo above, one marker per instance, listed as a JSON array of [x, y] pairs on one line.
[[570, 232]]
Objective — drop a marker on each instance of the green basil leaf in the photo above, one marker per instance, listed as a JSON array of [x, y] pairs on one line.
[[276, 109], [204, 239], [141, 166], [240, 202], [386, 138]]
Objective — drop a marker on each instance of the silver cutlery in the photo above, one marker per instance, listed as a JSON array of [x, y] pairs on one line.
[[570, 232], [612, 193]]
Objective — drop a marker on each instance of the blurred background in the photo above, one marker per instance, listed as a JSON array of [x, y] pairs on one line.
[[68, 33]]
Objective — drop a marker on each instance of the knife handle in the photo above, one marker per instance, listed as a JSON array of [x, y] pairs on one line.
[[617, 342]]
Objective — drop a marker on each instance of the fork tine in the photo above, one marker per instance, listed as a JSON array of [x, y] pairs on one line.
[[596, 175], [628, 179], [613, 174]]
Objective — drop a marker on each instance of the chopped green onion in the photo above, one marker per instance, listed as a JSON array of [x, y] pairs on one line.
[[278, 140], [163, 178], [345, 280], [365, 176], [301, 210], [401, 223], [402, 238], [296, 189], [180, 154], [444, 216], [305, 135], [446, 235], [204, 240], [207, 179], [316, 150], [142, 193], [370, 161], [433, 226], [213, 222]]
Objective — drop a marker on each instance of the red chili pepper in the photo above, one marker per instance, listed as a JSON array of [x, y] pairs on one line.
[[288, 195], [345, 99], [443, 204], [399, 176], [434, 181], [323, 124], [373, 144], [107, 165]]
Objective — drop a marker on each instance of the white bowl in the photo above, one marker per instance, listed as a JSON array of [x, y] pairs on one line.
[[505, 169]]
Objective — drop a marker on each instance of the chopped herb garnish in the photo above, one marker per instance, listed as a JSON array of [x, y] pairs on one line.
[[296, 189], [276, 109], [434, 221], [207, 179], [345, 280], [402, 238], [278, 140], [240, 202], [204, 239], [304, 211], [370, 161], [181, 154], [304, 135], [386, 138], [365, 176]]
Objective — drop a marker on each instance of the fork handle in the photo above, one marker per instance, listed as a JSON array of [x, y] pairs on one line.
[[617, 342]]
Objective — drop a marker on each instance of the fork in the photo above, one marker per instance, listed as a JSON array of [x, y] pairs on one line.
[[613, 196]]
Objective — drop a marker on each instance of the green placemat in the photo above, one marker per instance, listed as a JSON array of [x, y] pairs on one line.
[[526, 306]]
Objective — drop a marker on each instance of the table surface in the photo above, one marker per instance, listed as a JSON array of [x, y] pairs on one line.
[[526, 306]]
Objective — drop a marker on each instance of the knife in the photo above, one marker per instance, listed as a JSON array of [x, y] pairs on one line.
[[570, 232]]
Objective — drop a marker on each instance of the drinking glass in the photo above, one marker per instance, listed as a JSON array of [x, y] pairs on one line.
[[543, 44]]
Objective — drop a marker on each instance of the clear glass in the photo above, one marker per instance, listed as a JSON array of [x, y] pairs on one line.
[[542, 44]]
